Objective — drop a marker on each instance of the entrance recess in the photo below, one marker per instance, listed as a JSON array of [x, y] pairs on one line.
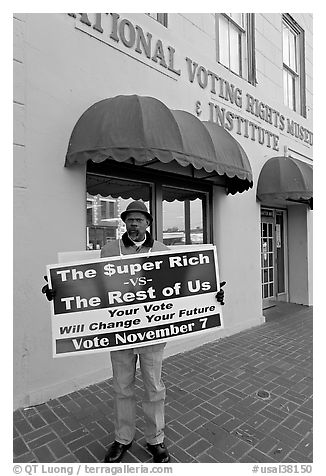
[[273, 256]]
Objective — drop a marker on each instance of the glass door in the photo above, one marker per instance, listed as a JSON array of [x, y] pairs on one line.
[[273, 256], [267, 257], [281, 254]]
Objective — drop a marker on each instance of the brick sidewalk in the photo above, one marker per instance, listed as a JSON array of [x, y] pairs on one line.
[[213, 412]]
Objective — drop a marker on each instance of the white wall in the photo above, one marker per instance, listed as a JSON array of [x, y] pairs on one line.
[[310, 256], [298, 255]]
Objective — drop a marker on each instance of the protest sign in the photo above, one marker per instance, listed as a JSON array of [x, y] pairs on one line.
[[135, 300]]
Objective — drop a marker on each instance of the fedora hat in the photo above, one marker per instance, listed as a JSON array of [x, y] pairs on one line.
[[136, 206]]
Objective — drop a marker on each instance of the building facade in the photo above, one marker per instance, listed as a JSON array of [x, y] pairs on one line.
[[98, 99]]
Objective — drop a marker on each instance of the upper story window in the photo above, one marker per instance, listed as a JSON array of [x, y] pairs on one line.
[[236, 43], [160, 17], [293, 65]]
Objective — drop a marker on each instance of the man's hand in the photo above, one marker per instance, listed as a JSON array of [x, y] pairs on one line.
[[220, 295], [47, 291]]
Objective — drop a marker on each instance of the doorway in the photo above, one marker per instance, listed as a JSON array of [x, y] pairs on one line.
[[274, 256]]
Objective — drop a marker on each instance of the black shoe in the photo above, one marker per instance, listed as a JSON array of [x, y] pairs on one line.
[[116, 452], [159, 452]]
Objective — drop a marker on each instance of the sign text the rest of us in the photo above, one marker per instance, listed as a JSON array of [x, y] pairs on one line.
[[135, 300]]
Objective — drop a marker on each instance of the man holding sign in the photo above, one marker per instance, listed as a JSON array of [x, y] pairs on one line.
[[137, 240]]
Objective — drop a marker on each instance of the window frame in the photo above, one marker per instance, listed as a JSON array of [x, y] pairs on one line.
[[187, 210], [298, 75], [247, 53], [156, 183], [161, 18]]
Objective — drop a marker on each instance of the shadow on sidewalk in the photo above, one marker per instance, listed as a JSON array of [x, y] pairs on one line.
[[279, 309]]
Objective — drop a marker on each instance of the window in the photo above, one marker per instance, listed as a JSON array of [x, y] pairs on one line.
[[160, 17], [293, 65], [180, 208], [101, 220], [236, 43], [183, 216]]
